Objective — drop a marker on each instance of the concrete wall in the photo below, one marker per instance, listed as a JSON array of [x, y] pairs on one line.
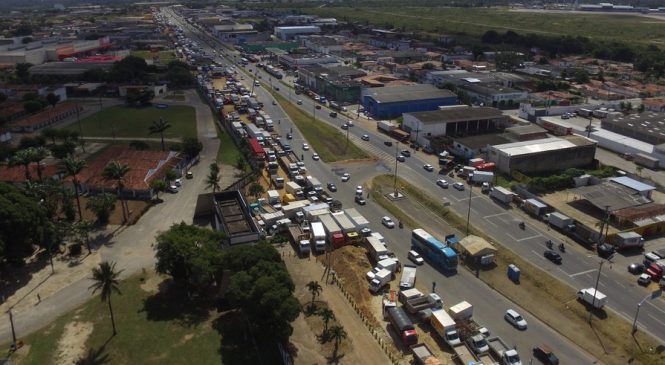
[[545, 161]]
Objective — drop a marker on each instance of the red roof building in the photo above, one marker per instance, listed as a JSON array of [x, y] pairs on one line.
[[46, 118]]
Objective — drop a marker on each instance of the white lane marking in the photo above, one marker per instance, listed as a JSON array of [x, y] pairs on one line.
[[495, 215], [581, 273], [529, 238]]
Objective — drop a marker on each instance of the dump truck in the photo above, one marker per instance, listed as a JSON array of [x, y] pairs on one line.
[[401, 323], [560, 221], [502, 195], [300, 239], [423, 355], [408, 279], [592, 297], [415, 305], [507, 355]]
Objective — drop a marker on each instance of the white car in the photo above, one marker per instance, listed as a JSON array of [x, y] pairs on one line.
[[359, 190], [442, 183], [305, 146], [346, 177], [349, 123], [415, 257], [365, 137], [428, 167], [515, 319], [315, 157], [299, 102], [178, 182], [173, 189], [386, 221]]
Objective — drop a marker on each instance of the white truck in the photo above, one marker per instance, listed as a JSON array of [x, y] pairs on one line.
[[560, 221], [387, 264], [294, 189], [502, 195], [508, 356], [408, 279], [461, 311], [318, 237], [377, 250], [344, 222], [592, 297], [381, 279], [446, 327], [628, 240], [330, 226], [290, 210]]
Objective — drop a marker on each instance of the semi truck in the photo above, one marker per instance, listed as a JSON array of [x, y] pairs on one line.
[[318, 237], [446, 327], [560, 221], [376, 249], [507, 355], [401, 323], [334, 233], [408, 279], [390, 129], [423, 355], [534, 207], [502, 195], [300, 239], [592, 297]]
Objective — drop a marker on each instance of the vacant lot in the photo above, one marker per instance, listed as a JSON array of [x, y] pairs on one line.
[[164, 57], [477, 21], [130, 122], [156, 325]]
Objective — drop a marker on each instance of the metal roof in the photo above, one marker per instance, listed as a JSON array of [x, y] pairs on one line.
[[632, 183], [407, 93], [614, 196], [457, 114], [539, 145]]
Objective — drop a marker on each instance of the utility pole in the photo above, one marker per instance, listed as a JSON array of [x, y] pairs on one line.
[[653, 295], [396, 154], [595, 291], [11, 322], [468, 214]]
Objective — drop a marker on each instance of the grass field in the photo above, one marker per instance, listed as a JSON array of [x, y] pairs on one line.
[[326, 140], [476, 21], [228, 153], [135, 122], [153, 328], [164, 56]]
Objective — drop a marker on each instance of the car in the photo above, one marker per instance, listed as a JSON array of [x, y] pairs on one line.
[[349, 123], [406, 153], [178, 182], [428, 167], [386, 221], [344, 126], [644, 279], [173, 189], [365, 137], [415, 257], [359, 190], [305, 146], [636, 268], [545, 355], [289, 136], [442, 183], [299, 102], [332, 187], [605, 250], [459, 186], [360, 200], [553, 256], [333, 114], [274, 102], [366, 232], [388, 143], [315, 156], [401, 158], [276, 88], [317, 106], [346, 177], [515, 319], [189, 175]]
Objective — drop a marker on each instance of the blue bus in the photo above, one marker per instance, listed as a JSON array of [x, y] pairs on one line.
[[435, 251]]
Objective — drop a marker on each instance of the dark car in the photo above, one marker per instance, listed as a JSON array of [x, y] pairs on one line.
[[360, 200], [406, 153], [553, 256], [333, 114], [332, 187], [545, 355], [289, 136], [388, 143], [635, 269], [605, 250]]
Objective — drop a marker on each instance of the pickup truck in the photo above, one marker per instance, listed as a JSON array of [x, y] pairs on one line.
[[508, 356]]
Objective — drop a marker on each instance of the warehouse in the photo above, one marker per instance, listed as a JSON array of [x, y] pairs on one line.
[[288, 33], [647, 127], [543, 155], [391, 102], [451, 121]]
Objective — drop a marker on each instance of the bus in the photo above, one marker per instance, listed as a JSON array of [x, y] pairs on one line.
[[433, 250]]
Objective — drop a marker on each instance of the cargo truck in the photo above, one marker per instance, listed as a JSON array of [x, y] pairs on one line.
[[415, 305], [628, 240], [534, 207], [376, 249], [344, 222], [290, 210], [318, 237], [294, 189], [277, 181], [424, 356], [446, 327], [300, 239], [507, 355], [592, 297], [560, 221], [390, 129], [461, 311], [334, 233], [401, 323], [408, 279], [357, 219], [381, 279], [387, 264], [502, 195]]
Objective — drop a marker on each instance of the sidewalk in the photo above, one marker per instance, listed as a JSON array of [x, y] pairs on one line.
[[363, 349]]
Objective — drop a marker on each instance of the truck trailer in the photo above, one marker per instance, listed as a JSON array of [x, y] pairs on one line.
[[502, 195], [534, 207], [408, 279], [560, 221]]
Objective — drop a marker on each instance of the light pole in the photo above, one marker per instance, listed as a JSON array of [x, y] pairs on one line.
[[396, 154], [11, 322], [653, 295], [595, 291]]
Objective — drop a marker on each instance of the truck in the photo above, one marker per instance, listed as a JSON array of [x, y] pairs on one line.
[[334, 233], [387, 264], [344, 222], [445, 326], [461, 311], [273, 199], [646, 161], [381, 279], [318, 237], [628, 240], [560, 221], [401, 323], [534, 207], [294, 189], [357, 218], [313, 184], [408, 279], [502, 195], [464, 355], [390, 129], [423, 355], [418, 304], [592, 297], [479, 177], [300, 239], [292, 208], [376, 249], [507, 355], [277, 181]]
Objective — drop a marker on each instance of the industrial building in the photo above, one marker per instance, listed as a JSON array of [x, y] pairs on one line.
[[235, 33], [288, 33], [646, 127], [451, 121], [391, 102], [476, 146], [543, 155], [38, 52], [296, 60], [336, 83], [494, 95]]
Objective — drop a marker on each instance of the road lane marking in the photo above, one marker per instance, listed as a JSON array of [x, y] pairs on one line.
[[495, 215], [582, 273], [656, 319], [529, 238], [655, 307]]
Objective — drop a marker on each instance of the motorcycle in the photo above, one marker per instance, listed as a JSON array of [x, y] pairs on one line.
[[522, 225], [401, 225]]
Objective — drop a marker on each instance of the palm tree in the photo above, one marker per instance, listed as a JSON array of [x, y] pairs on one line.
[[212, 180], [82, 230], [71, 167], [117, 171], [337, 334], [23, 158], [315, 288], [37, 155], [159, 126], [106, 281], [327, 315]]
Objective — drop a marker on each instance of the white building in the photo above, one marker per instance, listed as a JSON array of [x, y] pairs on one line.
[[288, 33]]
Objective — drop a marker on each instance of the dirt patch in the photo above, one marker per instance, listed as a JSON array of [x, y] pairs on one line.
[[71, 345], [136, 210], [151, 284]]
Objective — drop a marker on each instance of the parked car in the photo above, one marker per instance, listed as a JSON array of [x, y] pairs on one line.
[[415, 257], [315, 157], [636, 268], [332, 187], [515, 319], [360, 200], [406, 153], [401, 158], [189, 175], [346, 177], [388, 143], [459, 186], [428, 167], [388, 222], [365, 137], [545, 355], [442, 183], [553, 256], [644, 279]]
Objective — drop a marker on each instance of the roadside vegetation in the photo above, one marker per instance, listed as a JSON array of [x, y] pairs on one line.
[[164, 57], [553, 302]]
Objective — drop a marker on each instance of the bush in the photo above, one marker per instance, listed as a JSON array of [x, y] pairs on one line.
[[75, 249]]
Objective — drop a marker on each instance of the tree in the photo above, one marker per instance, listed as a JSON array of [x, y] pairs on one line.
[[327, 315], [50, 133], [102, 205], [22, 70], [23, 29], [159, 127], [337, 334], [139, 145], [581, 77], [241, 163], [33, 106], [256, 189], [105, 279], [82, 230], [491, 37], [52, 99], [116, 171], [315, 288], [158, 186], [191, 147], [179, 77], [72, 167], [3, 97], [38, 154], [23, 158], [212, 180], [170, 175]]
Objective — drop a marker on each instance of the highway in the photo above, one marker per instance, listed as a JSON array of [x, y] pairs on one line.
[[579, 268]]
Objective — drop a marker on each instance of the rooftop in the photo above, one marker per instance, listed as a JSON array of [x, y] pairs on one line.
[[407, 93], [614, 196], [457, 114], [488, 89], [482, 140], [542, 145], [525, 129], [633, 184]]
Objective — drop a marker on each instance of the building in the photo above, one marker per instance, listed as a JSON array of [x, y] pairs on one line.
[[337, 83], [287, 33], [323, 44], [391, 102], [75, 68], [235, 33], [296, 60], [647, 127], [476, 146], [494, 95], [45, 118], [452, 121], [42, 51], [654, 104], [543, 155]]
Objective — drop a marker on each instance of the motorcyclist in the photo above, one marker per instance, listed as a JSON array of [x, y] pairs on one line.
[[522, 225], [549, 243], [562, 248]]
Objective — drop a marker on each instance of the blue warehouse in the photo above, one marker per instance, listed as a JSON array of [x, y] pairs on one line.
[[391, 102]]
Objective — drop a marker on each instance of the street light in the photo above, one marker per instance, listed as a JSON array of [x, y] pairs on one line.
[[396, 154], [468, 214], [653, 295]]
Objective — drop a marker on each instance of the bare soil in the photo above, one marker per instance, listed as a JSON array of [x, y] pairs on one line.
[[71, 345], [136, 210]]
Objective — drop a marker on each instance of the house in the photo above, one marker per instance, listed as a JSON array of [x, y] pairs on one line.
[[45, 118], [654, 104]]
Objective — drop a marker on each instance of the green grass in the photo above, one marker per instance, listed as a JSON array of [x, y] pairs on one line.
[[333, 147], [161, 328], [228, 152], [460, 22], [164, 56], [130, 122]]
